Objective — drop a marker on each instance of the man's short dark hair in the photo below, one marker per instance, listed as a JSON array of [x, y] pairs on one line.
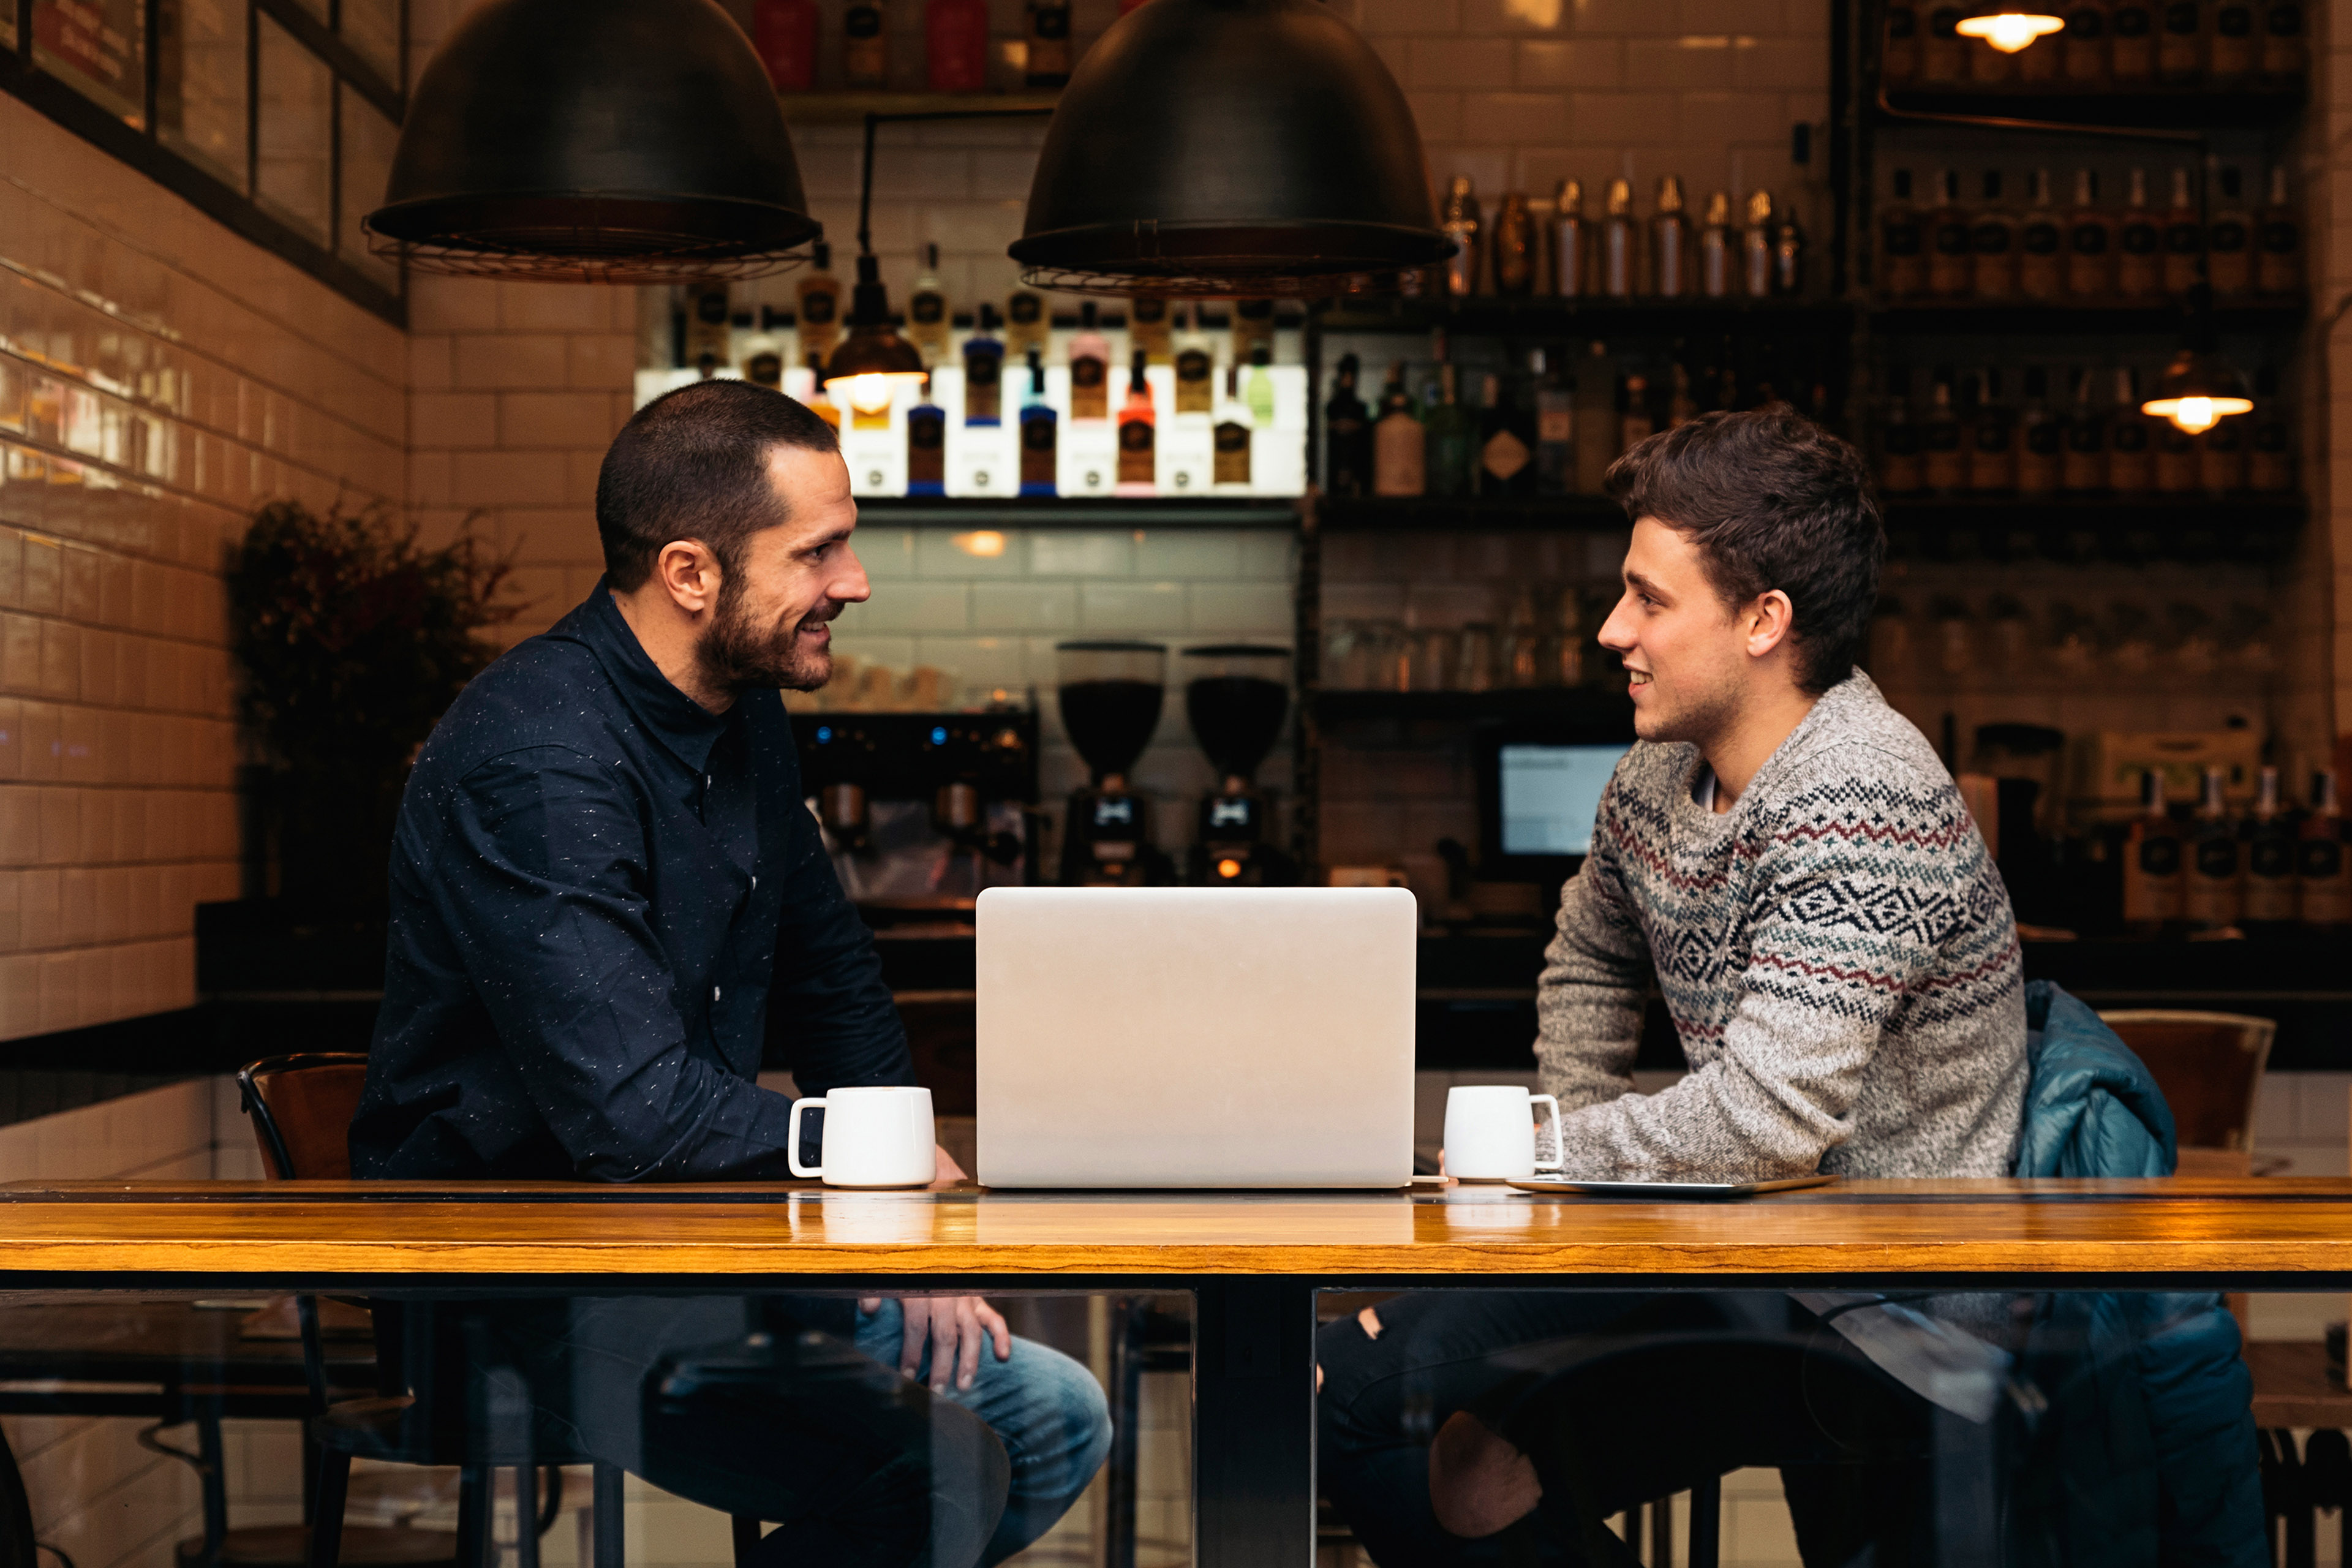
[[1773, 500], [693, 463]]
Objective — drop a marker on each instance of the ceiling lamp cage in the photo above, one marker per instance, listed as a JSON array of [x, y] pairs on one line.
[[594, 142], [1249, 149]]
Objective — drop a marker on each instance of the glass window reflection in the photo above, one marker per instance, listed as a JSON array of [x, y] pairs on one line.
[[293, 171], [99, 48], [369, 142], [371, 28], [201, 83]]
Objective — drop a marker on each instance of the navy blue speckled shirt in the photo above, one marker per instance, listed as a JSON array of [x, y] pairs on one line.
[[604, 900]]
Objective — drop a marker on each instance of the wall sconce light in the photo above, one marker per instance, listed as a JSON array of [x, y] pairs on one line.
[[2007, 28]]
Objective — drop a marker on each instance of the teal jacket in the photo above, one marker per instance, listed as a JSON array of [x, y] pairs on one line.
[[2139, 1426]]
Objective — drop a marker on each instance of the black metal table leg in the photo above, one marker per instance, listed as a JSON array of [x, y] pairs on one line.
[[1253, 1402], [211, 1473]]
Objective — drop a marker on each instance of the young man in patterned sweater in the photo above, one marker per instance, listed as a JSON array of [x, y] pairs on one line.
[[1791, 860]]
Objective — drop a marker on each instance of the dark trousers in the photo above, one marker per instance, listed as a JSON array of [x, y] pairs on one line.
[[1623, 1398]]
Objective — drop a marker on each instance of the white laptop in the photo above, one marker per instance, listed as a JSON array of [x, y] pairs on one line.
[[1196, 1037]]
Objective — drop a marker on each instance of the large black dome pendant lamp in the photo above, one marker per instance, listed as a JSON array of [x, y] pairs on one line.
[[594, 142], [1229, 148]]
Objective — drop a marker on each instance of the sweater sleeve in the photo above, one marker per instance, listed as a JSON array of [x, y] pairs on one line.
[[1862, 874], [1589, 1000]]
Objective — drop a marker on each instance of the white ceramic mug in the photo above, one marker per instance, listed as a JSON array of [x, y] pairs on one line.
[[1490, 1133], [879, 1137]]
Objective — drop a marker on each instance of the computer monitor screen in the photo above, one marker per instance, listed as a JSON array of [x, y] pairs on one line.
[[1550, 796]]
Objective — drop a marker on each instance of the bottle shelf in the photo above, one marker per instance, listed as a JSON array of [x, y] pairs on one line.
[[2094, 527], [1537, 317], [2080, 320], [2156, 107], [943, 512], [1413, 514], [1595, 705], [852, 108]]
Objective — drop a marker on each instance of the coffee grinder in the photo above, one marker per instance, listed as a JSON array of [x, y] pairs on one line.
[[1237, 697], [922, 810], [1111, 698]]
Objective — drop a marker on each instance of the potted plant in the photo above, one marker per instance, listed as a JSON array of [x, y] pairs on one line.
[[353, 638]]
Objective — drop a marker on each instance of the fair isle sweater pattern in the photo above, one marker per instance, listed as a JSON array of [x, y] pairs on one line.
[[1836, 952]]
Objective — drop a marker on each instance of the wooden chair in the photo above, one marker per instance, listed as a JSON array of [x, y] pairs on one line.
[[301, 1107], [2209, 1066]]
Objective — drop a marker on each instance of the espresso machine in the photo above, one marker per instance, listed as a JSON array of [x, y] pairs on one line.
[[1238, 696], [1110, 694], [920, 811]]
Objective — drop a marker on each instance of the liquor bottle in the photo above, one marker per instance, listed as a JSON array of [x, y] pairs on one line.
[[1787, 254], [1231, 436], [1258, 381], [2177, 466], [2180, 43], [2278, 265], [2184, 238], [2155, 885], [866, 45], [1943, 53], [1635, 422], [1253, 330], [2084, 466], [2323, 872], [2229, 240], [1147, 328], [820, 402], [1089, 368], [927, 447], [1400, 456], [2083, 44], [2131, 451], [1459, 219], [2270, 852], [2285, 57], [1619, 242], [1756, 248], [1571, 242], [1901, 470], [2041, 438], [2222, 457], [1989, 66], [1681, 406], [1939, 438], [2214, 864], [1139, 433], [1049, 44], [1670, 242], [1346, 434], [710, 310], [2232, 51], [1898, 50], [955, 45], [1026, 324], [763, 354], [983, 374], [1950, 269], [2040, 243], [784, 32], [1513, 247], [1040, 433], [819, 293], [1506, 443], [2131, 43], [2140, 244], [1716, 247], [1450, 434], [1992, 242], [1555, 428], [1992, 439], [2090, 242], [2270, 459], [2042, 66], [1901, 248], [1196, 366], [930, 326]]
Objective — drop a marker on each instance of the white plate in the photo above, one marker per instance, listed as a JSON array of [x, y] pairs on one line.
[[1672, 1189]]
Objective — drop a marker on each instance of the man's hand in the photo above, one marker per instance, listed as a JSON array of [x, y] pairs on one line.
[[953, 1327]]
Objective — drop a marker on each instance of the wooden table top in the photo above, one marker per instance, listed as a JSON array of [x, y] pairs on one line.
[[2203, 1226]]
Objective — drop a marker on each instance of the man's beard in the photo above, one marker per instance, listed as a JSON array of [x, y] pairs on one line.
[[1699, 719], [741, 654]]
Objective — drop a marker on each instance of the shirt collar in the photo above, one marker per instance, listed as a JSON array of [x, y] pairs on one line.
[[685, 727]]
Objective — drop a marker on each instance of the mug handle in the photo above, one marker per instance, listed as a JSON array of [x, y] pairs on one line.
[[1559, 1145], [792, 1139]]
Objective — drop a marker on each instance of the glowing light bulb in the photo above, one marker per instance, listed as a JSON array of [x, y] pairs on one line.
[[1229, 869], [986, 545], [2011, 30], [2196, 414], [869, 393]]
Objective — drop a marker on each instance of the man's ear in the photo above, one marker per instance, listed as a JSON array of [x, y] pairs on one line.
[[689, 573], [1769, 620]]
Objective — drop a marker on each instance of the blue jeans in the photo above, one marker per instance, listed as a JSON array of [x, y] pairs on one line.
[[1046, 1409]]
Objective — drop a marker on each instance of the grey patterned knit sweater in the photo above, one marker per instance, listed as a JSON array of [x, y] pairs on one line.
[[1836, 950]]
